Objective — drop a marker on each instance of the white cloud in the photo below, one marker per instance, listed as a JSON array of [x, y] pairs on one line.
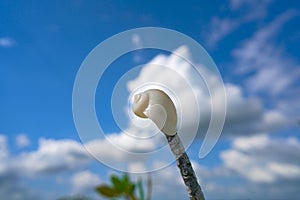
[[22, 140], [256, 166], [260, 50], [53, 156], [3, 147], [256, 142], [6, 42], [4, 155], [253, 9], [169, 179], [258, 160], [176, 76], [260, 167], [245, 115], [262, 159], [128, 152], [220, 27], [268, 70], [84, 181], [13, 189], [127, 143], [285, 170], [253, 166], [10, 181]]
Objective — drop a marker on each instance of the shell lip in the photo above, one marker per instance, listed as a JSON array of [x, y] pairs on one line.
[[140, 104]]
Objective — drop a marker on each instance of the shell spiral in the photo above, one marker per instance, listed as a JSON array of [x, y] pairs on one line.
[[156, 105]]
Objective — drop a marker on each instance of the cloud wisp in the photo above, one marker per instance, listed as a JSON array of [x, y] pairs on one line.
[[7, 42], [22, 141], [260, 54], [267, 68], [220, 27]]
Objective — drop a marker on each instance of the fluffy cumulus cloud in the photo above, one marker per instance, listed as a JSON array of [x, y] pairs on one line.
[[257, 163], [245, 115], [122, 152], [260, 167], [268, 166], [11, 186], [84, 181], [53, 156], [263, 159]]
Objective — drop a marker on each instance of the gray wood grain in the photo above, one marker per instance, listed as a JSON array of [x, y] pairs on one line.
[[186, 170]]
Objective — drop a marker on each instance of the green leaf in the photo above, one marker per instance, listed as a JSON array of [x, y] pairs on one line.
[[117, 183], [129, 186], [107, 191], [126, 179]]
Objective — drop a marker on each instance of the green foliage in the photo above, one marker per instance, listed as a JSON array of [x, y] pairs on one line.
[[121, 187], [108, 191]]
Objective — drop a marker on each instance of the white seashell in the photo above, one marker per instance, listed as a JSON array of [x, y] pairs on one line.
[[157, 106]]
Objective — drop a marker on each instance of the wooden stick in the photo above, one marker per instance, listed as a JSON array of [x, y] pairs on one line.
[[184, 164]]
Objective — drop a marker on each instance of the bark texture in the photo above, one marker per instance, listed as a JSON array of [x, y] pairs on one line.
[[183, 162]]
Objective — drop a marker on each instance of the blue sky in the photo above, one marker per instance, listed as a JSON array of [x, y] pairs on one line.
[[255, 45]]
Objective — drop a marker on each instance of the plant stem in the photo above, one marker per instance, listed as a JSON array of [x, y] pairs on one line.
[[183, 163]]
